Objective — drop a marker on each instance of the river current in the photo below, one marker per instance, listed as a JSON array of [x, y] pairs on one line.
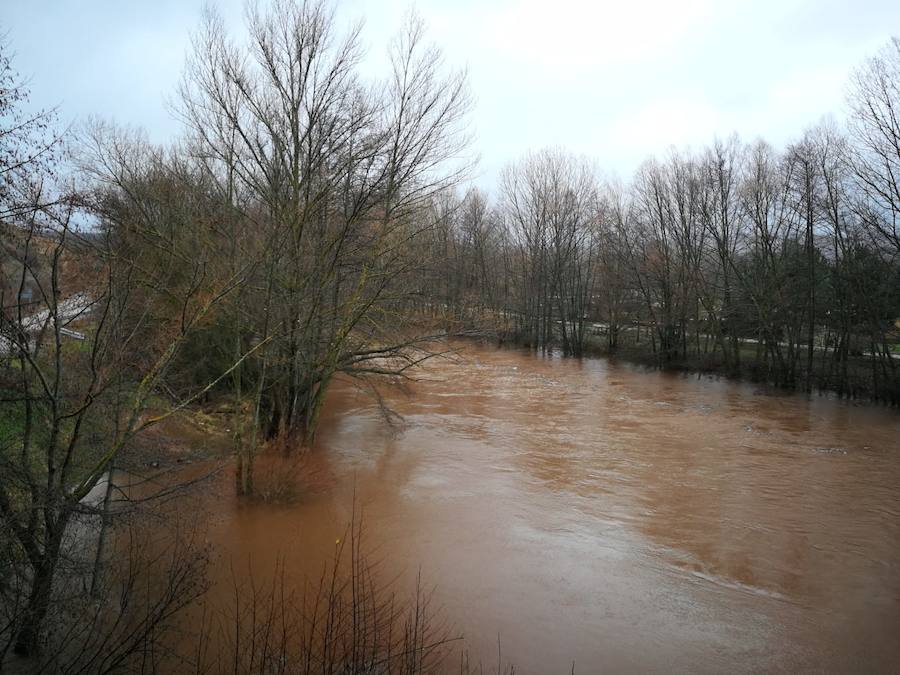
[[595, 512]]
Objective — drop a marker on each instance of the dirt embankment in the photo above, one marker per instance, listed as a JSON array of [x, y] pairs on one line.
[[190, 435]]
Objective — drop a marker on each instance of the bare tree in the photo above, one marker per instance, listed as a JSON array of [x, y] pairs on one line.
[[85, 326], [338, 175], [551, 202], [875, 125]]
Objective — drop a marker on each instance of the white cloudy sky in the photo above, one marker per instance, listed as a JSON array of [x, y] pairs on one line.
[[616, 80]]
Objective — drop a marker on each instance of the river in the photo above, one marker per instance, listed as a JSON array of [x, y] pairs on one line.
[[626, 520]]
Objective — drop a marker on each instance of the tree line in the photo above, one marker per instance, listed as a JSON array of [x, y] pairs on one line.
[[781, 265]]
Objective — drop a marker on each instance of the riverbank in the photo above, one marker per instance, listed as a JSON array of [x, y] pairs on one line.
[[854, 381]]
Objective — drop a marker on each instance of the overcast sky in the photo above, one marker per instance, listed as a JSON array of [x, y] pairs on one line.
[[617, 81]]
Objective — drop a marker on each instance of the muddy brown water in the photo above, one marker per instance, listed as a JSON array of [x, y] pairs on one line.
[[626, 520]]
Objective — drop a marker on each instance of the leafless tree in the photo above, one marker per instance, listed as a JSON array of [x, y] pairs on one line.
[[551, 202], [338, 175], [875, 125], [79, 321]]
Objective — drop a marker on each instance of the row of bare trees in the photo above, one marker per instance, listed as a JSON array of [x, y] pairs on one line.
[[780, 264]]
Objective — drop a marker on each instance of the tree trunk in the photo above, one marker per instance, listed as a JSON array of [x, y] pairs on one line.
[[35, 612]]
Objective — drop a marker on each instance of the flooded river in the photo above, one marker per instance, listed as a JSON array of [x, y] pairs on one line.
[[628, 521]]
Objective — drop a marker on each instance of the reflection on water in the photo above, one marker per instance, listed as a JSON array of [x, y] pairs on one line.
[[627, 520]]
